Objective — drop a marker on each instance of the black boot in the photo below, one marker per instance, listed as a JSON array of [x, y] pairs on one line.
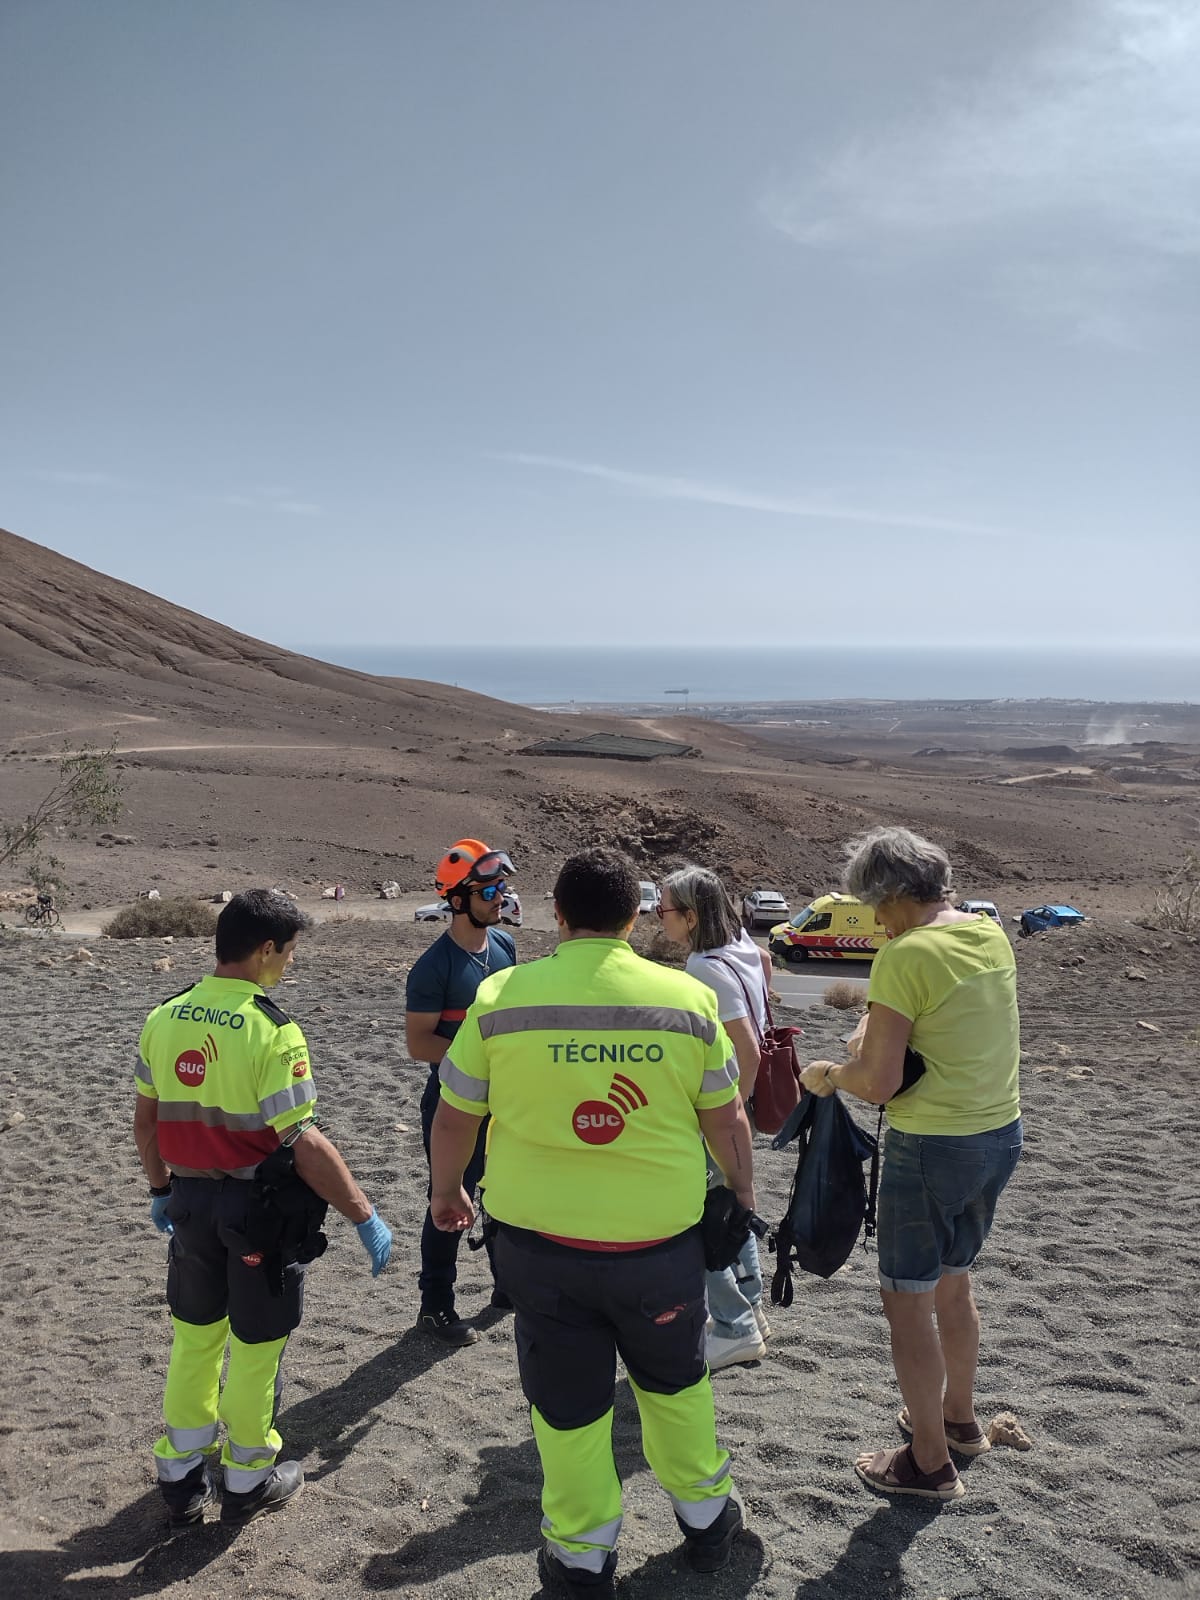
[[187, 1498], [284, 1484], [561, 1579], [444, 1323], [708, 1549]]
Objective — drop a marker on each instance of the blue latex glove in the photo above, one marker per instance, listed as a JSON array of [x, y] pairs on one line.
[[377, 1241], [158, 1213]]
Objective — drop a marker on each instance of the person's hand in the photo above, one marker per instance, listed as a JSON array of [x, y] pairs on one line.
[[377, 1241], [453, 1212], [745, 1197], [816, 1080], [158, 1213]]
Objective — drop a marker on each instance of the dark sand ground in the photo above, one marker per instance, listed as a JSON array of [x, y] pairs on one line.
[[422, 1475]]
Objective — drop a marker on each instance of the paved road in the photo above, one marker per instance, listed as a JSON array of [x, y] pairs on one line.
[[805, 986]]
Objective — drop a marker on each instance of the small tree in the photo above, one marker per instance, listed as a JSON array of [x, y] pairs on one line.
[[87, 790], [1177, 903]]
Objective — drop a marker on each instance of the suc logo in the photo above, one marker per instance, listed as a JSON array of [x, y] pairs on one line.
[[190, 1067], [602, 1121]]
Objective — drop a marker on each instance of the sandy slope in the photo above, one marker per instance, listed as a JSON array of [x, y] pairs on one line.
[[422, 1477]]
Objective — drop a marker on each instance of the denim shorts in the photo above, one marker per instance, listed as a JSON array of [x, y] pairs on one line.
[[937, 1199]]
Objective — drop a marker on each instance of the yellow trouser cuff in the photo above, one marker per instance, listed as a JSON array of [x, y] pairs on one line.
[[581, 1493]]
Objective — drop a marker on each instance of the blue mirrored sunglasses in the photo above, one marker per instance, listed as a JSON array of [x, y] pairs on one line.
[[489, 891]]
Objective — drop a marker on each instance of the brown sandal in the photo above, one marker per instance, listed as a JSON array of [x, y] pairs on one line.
[[896, 1472], [964, 1438]]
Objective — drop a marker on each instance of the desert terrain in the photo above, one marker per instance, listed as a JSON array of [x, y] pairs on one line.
[[242, 764]]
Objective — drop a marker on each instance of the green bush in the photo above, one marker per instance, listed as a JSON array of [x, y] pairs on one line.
[[155, 919]]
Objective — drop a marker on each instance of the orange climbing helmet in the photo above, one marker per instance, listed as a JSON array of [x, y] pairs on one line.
[[467, 862]]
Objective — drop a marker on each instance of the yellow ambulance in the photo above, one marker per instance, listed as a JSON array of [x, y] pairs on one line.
[[835, 926]]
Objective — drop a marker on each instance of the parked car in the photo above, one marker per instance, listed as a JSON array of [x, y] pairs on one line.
[[650, 897], [987, 907], [764, 907], [836, 926], [438, 911], [1049, 917]]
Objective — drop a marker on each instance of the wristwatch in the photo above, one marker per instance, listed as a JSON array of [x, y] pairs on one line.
[[160, 1194]]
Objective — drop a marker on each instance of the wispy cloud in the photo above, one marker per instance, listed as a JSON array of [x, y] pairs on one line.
[[283, 502], [76, 479], [703, 492], [1075, 173]]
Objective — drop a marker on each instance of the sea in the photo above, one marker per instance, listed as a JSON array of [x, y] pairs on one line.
[[675, 678]]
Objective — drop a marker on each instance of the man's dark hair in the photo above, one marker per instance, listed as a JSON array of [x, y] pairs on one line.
[[253, 917], [598, 889]]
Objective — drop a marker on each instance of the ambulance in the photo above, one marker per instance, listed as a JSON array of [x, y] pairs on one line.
[[836, 926]]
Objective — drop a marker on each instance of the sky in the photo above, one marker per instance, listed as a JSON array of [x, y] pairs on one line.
[[557, 322]]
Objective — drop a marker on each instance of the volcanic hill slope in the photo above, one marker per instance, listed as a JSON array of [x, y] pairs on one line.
[[245, 762]]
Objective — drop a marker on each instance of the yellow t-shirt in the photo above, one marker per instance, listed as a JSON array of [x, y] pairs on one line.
[[593, 1064], [957, 984], [230, 1072]]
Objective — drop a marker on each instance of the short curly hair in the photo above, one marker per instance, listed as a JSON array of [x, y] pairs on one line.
[[598, 889], [897, 864]]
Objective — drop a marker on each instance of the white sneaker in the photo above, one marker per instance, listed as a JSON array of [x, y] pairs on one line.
[[760, 1316], [728, 1352]]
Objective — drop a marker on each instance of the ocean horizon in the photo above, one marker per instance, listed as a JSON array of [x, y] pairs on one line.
[[582, 675]]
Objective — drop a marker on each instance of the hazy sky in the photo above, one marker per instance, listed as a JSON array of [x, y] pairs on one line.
[[655, 321]]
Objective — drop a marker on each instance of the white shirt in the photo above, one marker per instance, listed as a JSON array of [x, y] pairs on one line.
[[745, 958]]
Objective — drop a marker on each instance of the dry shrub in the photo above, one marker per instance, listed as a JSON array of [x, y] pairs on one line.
[[649, 940], [1177, 903], [155, 919], [844, 996]]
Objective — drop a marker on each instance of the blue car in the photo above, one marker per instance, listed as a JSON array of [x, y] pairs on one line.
[[1050, 917]]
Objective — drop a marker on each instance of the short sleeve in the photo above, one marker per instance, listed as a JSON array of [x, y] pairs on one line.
[[731, 1000], [719, 1083], [143, 1077], [286, 1091], [426, 987], [898, 981], [464, 1073]]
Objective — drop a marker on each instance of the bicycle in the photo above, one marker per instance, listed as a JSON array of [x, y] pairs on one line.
[[43, 914]]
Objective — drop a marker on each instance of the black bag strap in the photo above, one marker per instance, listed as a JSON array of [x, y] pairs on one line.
[[729, 967], [873, 1187]]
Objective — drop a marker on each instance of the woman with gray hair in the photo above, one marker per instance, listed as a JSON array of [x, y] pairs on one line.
[[944, 985], [696, 912]]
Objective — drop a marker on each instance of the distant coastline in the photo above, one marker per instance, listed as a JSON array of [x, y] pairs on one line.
[[770, 675]]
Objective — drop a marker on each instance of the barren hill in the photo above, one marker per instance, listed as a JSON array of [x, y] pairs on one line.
[[245, 762], [95, 639]]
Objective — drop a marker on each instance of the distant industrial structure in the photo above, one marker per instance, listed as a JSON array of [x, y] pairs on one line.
[[613, 746]]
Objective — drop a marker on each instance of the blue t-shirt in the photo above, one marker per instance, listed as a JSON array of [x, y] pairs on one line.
[[446, 977]]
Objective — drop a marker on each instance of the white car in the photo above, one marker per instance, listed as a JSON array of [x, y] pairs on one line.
[[650, 897], [987, 907], [438, 911], [764, 907]]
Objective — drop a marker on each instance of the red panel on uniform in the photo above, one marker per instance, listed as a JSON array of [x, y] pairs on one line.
[[191, 1144]]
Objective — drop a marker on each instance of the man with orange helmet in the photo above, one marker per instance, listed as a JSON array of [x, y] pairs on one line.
[[471, 879]]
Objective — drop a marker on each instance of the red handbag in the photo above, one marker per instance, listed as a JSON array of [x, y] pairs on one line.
[[777, 1088]]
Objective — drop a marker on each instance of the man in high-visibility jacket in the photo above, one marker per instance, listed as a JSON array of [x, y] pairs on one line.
[[600, 1071], [223, 1080]]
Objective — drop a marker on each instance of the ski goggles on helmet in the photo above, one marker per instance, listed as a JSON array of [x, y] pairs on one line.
[[492, 868]]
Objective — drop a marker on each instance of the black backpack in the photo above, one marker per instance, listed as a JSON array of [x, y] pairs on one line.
[[829, 1202]]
